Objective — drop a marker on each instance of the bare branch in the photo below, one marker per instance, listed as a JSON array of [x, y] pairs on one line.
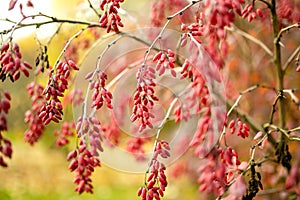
[[21, 24], [286, 133], [251, 38], [282, 31], [92, 7], [291, 58]]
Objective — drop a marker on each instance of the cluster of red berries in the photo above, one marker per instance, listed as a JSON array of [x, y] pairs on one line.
[[91, 129], [110, 18], [5, 149], [144, 98], [4, 108], [157, 181], [101, 94], [165, 60], [11, 64], [242, 128], [67, 130], [5, 144], [83, 163], [159, 8], [52, 110], [36, 125], [136, 147], [251, 13]]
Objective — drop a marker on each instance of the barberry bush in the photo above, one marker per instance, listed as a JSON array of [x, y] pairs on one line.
[[217, 77]]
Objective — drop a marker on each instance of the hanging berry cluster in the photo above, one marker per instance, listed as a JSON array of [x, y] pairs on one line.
[[5, 144], [52, 110], [144, 98], [36, 125], [90, 130], [157, 181], [165, 60], [83, 163], [67, 130], [110, 18], [11, 64], [242, 129], [220, 169], [100, 94], [85, 157], [136, 147]]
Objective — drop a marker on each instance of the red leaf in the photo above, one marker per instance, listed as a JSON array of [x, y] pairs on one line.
[[12, 4]]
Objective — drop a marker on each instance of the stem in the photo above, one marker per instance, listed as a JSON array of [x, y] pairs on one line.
[[234, 108], [96, 70], [291, 58], [297, 25], [277, 62], [274, 108], [284, 132], [76, 35], [251, 38], [18, 25], [92, 7], [169, 18]]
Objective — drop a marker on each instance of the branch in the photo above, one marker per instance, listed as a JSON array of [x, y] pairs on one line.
[[285, 132], [270, 192], [279, 96], [67, 45], [64, 51], [248, 90], [251, 38], [297, 25], [279, 70], [295, 129], [169, 18], [92, 7], [233, 107], [96, 70], [162, 124], [291, 58], [19, 25], [180, 12], [294, 98]]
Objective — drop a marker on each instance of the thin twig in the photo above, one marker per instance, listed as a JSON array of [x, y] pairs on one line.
[[270, 192], [294, 98], [63, 52], [76, 35], [251, 38], [96, 70], [92, 7], [248, 90], [166, 118], [295, 129], [283, 131], [56, 32], [291, 58], [18, 25], [283, 30], [273, 110], [233, 107], [169, 18]]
